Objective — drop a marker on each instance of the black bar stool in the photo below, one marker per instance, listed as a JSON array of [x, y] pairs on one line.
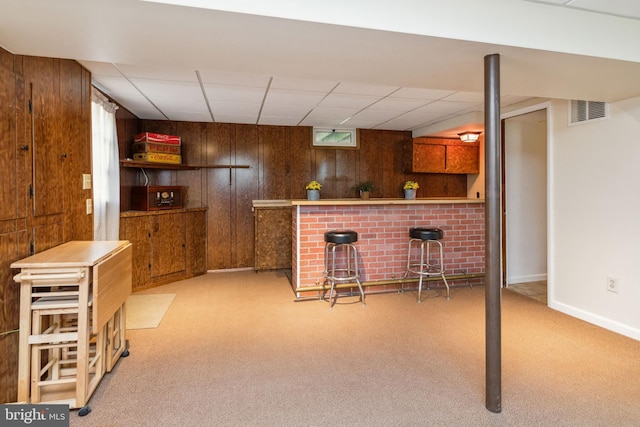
[[346, 270], [423, 238]]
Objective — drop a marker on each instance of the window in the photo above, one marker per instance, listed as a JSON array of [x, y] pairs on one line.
[[335, 138], [106, 168]]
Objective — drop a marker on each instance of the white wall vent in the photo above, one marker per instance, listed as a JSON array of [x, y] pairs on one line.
[[586, 111]]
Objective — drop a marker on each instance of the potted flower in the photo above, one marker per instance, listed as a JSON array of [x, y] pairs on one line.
[[313, 190], [364, 188], [410, 188]]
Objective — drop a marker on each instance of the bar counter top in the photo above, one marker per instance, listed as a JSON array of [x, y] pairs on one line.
[[356, 202]]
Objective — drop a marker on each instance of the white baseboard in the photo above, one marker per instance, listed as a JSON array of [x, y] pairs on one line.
[[603, 322], [525, 279]]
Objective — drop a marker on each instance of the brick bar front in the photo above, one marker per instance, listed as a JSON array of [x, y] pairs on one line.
[[383, 234]]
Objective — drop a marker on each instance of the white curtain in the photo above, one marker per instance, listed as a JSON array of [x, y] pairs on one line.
[[106, 168]]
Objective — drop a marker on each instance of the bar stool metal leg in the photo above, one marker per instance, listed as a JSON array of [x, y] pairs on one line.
[[428, 269], [341, 243], [422, 239]]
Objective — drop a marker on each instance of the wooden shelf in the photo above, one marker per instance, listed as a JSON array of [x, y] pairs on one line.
[[149, 165]]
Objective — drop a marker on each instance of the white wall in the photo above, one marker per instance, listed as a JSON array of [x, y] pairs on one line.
[[594, 218], [489, 21], [526, 197]]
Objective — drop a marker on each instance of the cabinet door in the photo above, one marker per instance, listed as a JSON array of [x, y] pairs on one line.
[[196, 236], [137, 230], [429, 158], [442, 156], [168, 245], [8, 150], [272, 238], [42, 91], [462, 159], [13, 246]]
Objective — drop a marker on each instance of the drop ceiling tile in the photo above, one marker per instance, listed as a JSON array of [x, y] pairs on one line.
[[334, 100], [220, 93], [177, 105], [277, 110], [189, 116], [333, 115], [101, 68], [278, 120], [167, 89], [246, 109], [376, 115], [158, 73], [549, 1], [291, 97], [512, 99], [630, 8], [115, 85], [418, 93], [225, 117], [136, 105], [396, 124], [413, 119], [398, 104], [132, 95], [233, 79], [362, 89], [149, 114], [446, 107], [362, 124], [465, 97], [307, 85], [320, 123]]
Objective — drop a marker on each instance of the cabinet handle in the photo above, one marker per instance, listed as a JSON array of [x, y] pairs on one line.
[[25, 148]]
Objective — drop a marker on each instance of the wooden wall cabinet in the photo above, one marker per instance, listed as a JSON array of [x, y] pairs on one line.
[[45, 134], [167, 245], [272, 237], [440, 155]]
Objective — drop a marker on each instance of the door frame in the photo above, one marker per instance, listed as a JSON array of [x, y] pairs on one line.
[[503, 117]]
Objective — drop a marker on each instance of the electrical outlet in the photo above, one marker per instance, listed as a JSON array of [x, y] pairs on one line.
[[86, 181], [613, 284], [89, 207]]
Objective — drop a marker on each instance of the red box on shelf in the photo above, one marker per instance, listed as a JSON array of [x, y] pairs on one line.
[[157, 137], [156, 147]]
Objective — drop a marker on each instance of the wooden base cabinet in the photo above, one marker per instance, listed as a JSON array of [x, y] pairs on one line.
[[167, 245], [272, 237]]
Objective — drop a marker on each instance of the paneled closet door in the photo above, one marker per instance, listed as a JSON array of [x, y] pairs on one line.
[[42, 87], [12, 157]]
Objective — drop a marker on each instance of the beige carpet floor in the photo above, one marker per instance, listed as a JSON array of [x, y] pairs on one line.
[[236, 350]]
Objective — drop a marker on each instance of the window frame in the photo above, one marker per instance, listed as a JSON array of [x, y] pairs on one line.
[[319, 133]]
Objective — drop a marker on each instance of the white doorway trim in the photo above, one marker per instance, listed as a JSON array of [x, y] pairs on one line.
[[547, 105]]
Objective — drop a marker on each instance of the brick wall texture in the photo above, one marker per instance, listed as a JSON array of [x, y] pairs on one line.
[[383, 236]]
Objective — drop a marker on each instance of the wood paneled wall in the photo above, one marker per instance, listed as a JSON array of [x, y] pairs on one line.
[[45, 144], [281, 161]]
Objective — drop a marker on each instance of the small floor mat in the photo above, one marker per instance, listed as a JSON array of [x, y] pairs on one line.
[[147, 311]]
